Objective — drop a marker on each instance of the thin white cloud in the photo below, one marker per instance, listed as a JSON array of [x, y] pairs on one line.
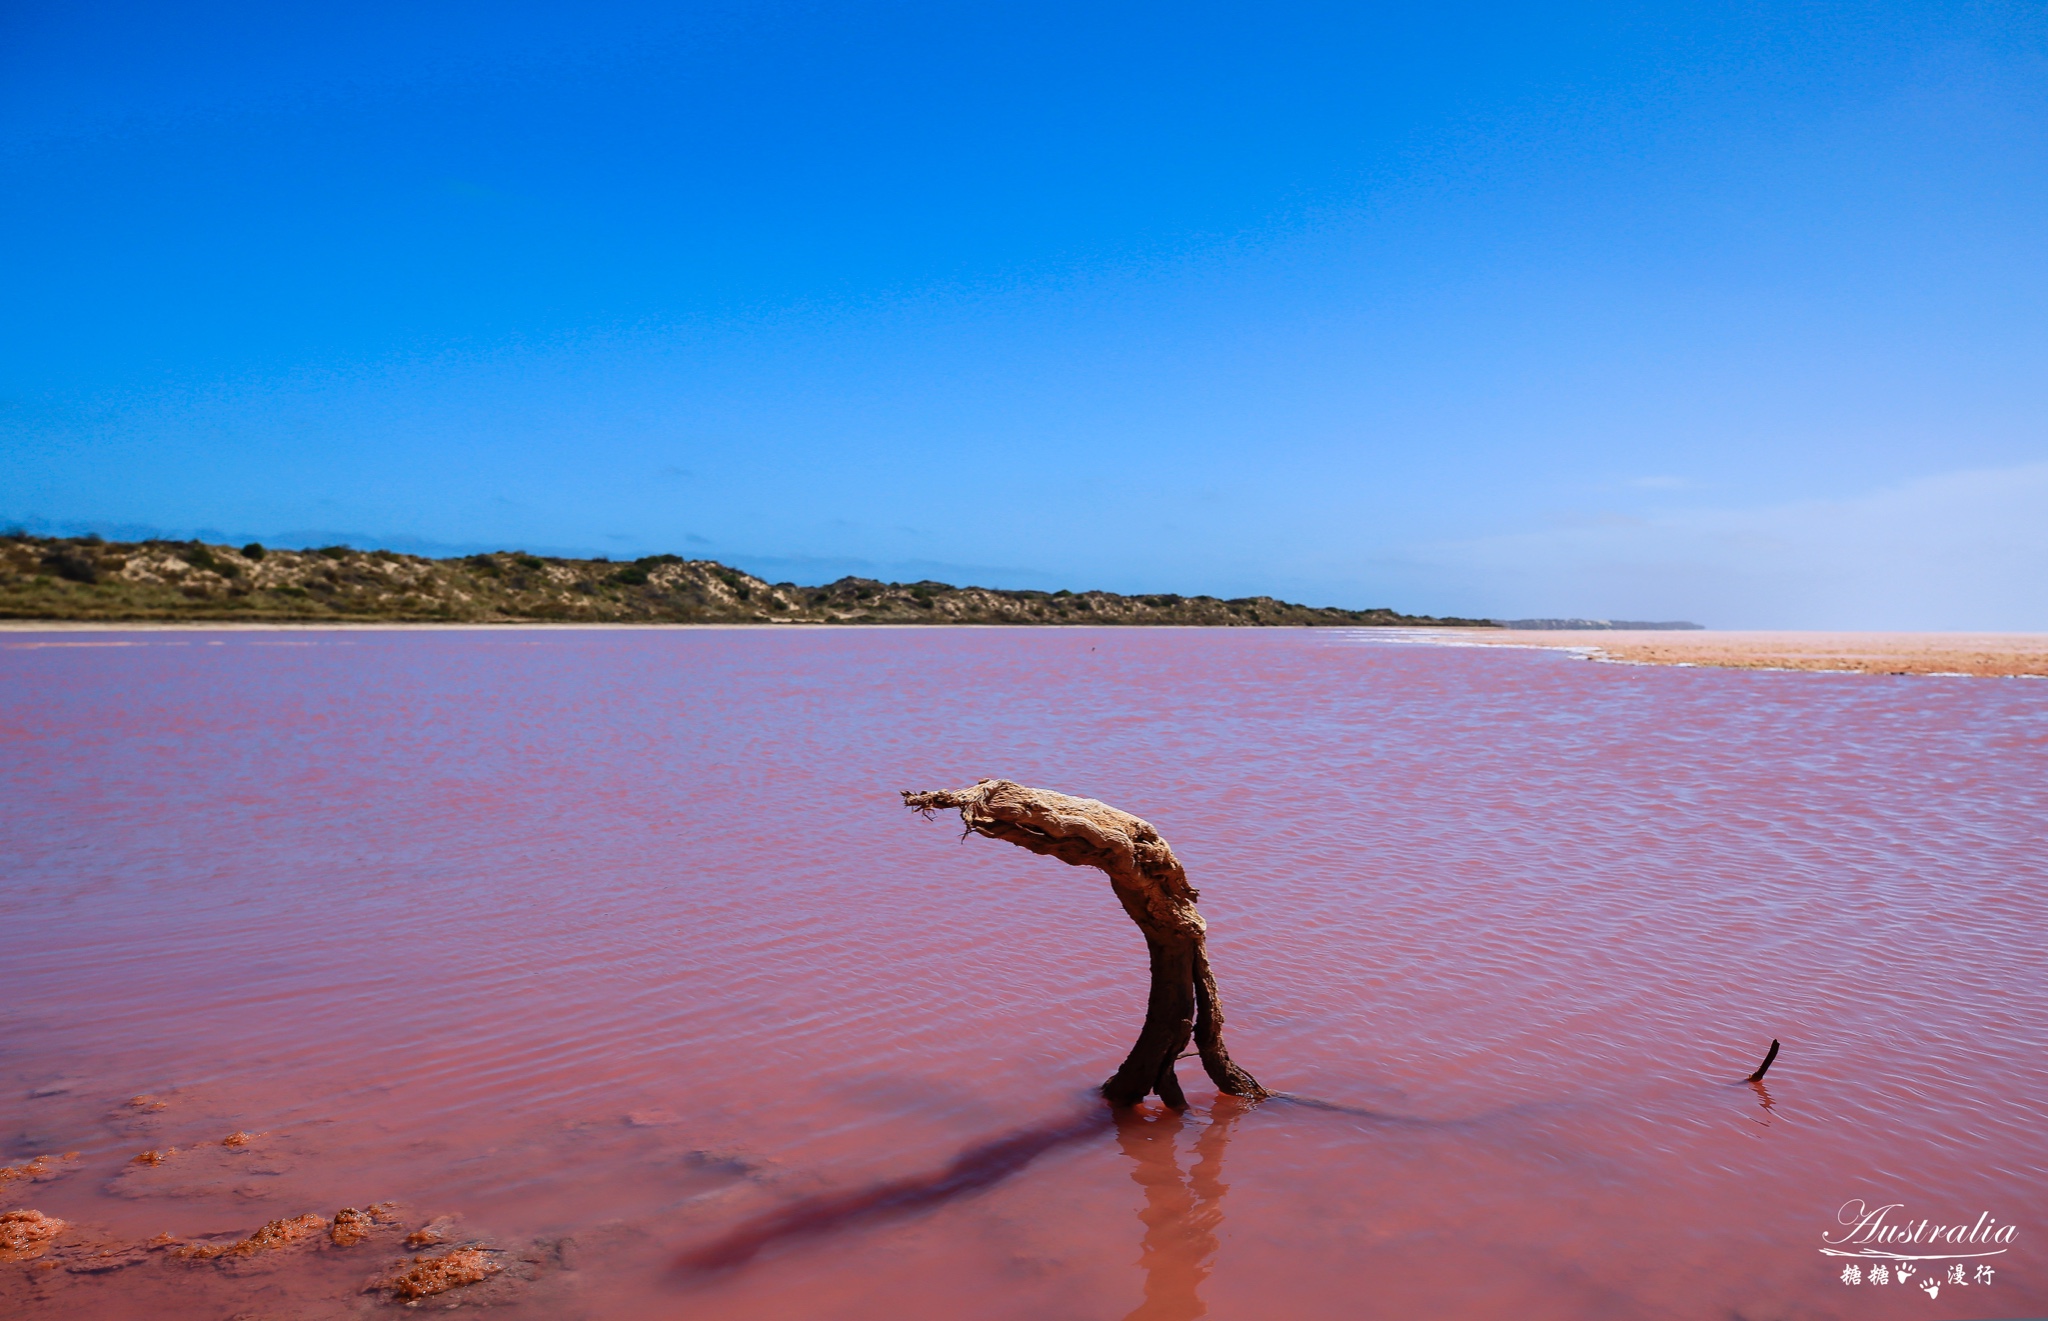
[[1961, 550]]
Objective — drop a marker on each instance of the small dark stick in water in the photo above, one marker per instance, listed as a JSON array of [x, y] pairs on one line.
[[1765, 1067]]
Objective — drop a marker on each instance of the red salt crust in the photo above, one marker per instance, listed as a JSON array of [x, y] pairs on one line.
[[25, 1235]]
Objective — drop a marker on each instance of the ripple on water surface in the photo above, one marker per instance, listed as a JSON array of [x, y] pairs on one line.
[[616, 947]]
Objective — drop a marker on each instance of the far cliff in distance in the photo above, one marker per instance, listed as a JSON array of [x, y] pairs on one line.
[[87, 579]]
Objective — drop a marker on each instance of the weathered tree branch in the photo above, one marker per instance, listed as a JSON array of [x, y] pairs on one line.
[[1153, 888]]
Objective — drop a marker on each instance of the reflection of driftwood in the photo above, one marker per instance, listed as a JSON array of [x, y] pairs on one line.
[[1765, 1067], [1154, 890], [1181, 1212]]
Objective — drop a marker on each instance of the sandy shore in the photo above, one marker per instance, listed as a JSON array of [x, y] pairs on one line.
[[1983, 654]]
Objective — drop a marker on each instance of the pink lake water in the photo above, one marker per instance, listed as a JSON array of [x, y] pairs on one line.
[[617, 946]]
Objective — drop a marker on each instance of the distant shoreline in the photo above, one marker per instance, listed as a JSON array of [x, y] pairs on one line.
[[1969, 655], [1933, 655], [605, 626]]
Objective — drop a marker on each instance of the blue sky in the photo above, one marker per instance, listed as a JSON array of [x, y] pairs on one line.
[[1724, 312]]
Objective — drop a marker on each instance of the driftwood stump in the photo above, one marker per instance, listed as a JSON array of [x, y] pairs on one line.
[[1153, 888]]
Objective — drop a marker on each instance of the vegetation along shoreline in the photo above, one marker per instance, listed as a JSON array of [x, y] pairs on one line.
[[88, 579]]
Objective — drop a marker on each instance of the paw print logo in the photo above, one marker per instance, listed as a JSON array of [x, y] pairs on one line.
[[1906, 1269], [1932, 1286]]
